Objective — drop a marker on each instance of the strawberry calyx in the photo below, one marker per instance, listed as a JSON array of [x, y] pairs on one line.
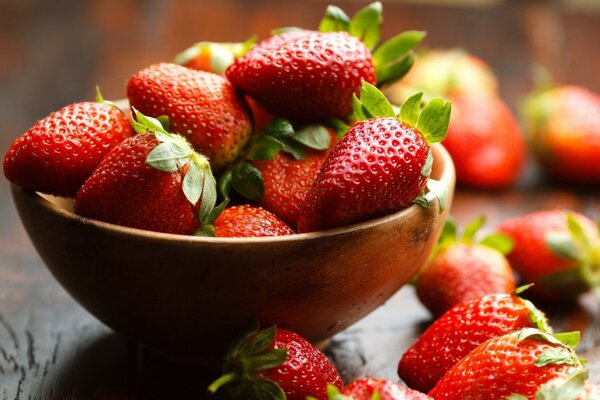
[[575, 245], [248, 355], [569, 388], [100, 99], [497, 241], [280, 135], [393, 58], [563, 351], [207, 229], [536, 316], [174, 153], [214, 56]]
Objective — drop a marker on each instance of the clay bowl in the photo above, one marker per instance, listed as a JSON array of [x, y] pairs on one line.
[[186, 295]]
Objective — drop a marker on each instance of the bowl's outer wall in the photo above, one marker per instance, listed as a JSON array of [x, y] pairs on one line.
[[192, 297]]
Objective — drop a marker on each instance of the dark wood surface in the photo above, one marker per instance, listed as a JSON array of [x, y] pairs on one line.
[[54, 53]]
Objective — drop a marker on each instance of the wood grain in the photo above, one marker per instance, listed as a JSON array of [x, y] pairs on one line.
[[54, 53]]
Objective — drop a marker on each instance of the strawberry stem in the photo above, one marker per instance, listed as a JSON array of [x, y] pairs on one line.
[[222, 381]]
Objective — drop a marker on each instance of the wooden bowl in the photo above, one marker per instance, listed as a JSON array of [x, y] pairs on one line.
[[186, 295]]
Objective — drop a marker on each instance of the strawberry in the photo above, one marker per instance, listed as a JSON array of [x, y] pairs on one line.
[[61, 151], [249, 221], [464, 327], [202, 106], [517, 363], [153, 180], [287, 181], [213, 56], [308, 76], [574, 387], [558, 250], [496, 152], [380, 166], [564, 130], [460, 269], [275, 363], [373, 389]]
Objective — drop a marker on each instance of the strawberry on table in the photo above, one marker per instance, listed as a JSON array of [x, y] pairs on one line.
[[461, 269], [518, 363], [309, 76], [464, 327], [61, 151], [558, 250], [275, 363], [564, 130], [380, 166], [153, 180], [201, 106]]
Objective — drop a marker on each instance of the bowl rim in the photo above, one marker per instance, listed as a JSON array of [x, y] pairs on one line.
[[446, 178]]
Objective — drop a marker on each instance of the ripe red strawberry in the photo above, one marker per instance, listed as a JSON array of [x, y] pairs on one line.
[[202, 106], [310, 76], [249, 221], [275, 363], [555, 249], [153, 180], [287, 181], [59, 152], [514, 364], [464, 327], [368, 388], [461, 269], [380, 166], [564, 127]]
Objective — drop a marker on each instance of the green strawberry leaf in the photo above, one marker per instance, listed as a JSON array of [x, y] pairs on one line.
[[268, 390], [410, 109], [335, 20], [224, 184], [577, 232], [516, 397], [374, 103], [358, 112], [339, 126], [193, 183], [536, 316], [260, 341], [434, 119], [562, 244], [314, 136], [100, 99], [212, 216], [265, 148], [440, 191], [500, 242], [294, 148], [394, 58], [168, 157], [209, 192], [421, 200], [428, 166], [449, 232], [279, 129], [247, 180], [570, 339], [366, 24], [164, 121], [144, 124], [205, 231], [569, 388], [557, 356], [265, 360]]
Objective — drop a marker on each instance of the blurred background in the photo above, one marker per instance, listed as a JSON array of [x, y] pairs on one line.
[[56, 52]]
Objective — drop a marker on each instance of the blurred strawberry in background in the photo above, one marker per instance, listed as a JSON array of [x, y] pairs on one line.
[[483, 138]]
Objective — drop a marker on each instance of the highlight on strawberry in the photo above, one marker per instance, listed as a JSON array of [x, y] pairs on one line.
[[461, 329], [309, 76], [558, 250], [274, 363], [153, 180], [380, 166], [461, 268]]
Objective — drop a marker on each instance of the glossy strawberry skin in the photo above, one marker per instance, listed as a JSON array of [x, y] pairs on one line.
[[249, 221], [533, 259], [201, 106], [496, 150], [305, 372], [461, 329], [287, 181], [374, 170], [304, 75], [61, 151], [363, 389], [125, 190], [565, 133], [498, 368], [463, 272]]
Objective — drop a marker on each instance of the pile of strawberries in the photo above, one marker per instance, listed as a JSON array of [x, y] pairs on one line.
[[291, 135]]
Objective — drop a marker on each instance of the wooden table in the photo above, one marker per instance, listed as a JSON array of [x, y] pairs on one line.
[[54, 53]]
